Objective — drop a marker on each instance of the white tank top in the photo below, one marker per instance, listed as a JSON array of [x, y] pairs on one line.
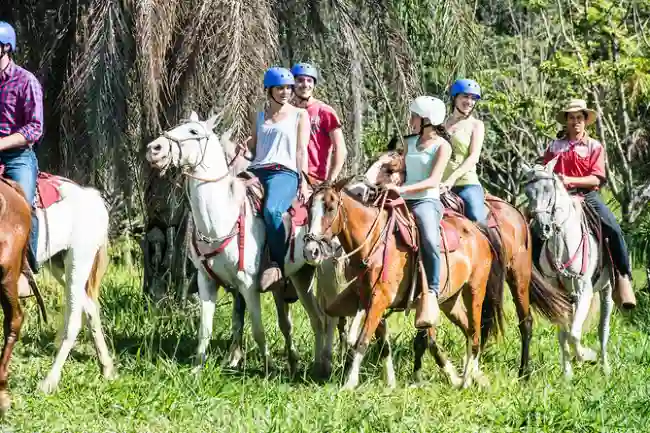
[[419, 164], [277, 142]]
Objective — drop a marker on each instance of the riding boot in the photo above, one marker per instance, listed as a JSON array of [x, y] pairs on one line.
[[623, 293], [427, 311], [271, 275]]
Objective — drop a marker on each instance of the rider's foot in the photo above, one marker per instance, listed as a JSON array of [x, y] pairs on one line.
[[427, 311], [24, 290], [271, 277], [624, 294]]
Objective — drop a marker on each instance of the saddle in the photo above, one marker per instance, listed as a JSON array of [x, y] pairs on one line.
[[454, 202], [296, 216], [47, 188]]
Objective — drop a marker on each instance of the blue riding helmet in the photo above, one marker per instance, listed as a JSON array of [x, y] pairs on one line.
[[278, 77], [7, 35], [464, 85], [305, 69]]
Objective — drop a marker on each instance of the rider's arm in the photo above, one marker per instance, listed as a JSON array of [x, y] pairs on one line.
[[475, 146], [304, 128], [596, 176], [339, 155], [442, 158], [32, 131]]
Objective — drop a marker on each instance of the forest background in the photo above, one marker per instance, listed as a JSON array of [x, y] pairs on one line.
[[118, 72]]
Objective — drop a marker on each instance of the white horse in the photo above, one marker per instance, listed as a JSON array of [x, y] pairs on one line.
[[571, 255], [72, 243], [220, 210]]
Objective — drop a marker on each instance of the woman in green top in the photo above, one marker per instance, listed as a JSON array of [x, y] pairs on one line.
[[426, 156], [467, 134]]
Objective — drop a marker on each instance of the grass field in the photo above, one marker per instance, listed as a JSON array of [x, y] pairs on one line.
[[157, 392]]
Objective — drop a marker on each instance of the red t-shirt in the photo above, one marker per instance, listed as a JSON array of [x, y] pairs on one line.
[[323, 120], [578, 159]]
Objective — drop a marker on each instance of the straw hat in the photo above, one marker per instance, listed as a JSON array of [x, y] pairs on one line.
[[573, 106]]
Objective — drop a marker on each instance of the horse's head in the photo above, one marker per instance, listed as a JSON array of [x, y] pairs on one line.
[[186, 146], [326, 219], [545, 193]]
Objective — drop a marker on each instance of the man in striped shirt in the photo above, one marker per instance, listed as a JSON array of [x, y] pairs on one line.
[[21, 125]]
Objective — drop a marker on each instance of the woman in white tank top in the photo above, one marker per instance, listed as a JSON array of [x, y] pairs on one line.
[[426, 156], [279, 144]]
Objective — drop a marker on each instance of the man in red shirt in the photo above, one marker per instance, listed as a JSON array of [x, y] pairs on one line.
[[326, 148], [581, 166]]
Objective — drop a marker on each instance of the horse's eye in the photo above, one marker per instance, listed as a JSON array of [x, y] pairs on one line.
[[194, 132]]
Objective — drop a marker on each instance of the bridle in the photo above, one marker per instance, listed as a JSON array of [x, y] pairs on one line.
[[203, 142], [551, 208]]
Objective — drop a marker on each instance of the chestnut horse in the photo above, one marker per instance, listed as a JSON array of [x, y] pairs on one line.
[[514, 253], [15, 220], [388, 270]]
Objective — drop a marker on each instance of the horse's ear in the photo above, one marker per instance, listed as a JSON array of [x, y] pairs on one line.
[[194, 117], [212, 121], [338, 186], [550, 166], [525, 167]]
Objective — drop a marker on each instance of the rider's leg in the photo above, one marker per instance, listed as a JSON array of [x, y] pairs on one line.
[[21, 166], [428, 213], [623, 293], [280, 189], [474, 201]]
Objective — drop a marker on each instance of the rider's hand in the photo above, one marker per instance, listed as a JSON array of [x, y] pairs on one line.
[[393, 187]]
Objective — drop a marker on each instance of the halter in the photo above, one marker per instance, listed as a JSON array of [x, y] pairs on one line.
[[187, 168], [559, 231]]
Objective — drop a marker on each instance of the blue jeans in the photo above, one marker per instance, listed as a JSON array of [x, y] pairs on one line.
[[21, 166], [474, 202], [428, 213], [280, 189]]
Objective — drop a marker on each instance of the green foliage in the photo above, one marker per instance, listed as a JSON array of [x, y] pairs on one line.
[[156, 390]]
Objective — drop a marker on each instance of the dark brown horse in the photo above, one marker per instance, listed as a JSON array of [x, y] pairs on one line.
[[15, 223], [511, 232], [388, 272]]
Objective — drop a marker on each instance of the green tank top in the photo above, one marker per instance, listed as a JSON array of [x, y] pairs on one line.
[[419, 164], [460, 141]]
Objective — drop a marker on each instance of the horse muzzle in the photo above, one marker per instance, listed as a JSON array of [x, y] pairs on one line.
[[314, 252]]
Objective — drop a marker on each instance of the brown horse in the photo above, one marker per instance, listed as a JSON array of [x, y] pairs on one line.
[[388, 272], [513, 248], [15, 223]]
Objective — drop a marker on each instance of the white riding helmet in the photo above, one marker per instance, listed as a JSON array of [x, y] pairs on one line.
[[429, 107]]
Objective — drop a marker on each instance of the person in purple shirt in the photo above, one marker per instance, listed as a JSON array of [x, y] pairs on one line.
[[21, 126]]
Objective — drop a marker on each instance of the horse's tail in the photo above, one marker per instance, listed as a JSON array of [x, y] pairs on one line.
[[548, 300], [492, 313], [100, 264]]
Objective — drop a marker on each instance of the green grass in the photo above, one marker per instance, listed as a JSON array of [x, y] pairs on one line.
[[157, 392]]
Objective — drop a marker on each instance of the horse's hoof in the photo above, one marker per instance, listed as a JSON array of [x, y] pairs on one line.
[[482, 381], [49, 386], [109, 373], [568, 376], [5, 402], [197, 369]]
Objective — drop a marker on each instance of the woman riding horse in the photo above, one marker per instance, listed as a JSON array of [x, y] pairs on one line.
[[426, 156], [279, 143], [467, 134], [581, 167]]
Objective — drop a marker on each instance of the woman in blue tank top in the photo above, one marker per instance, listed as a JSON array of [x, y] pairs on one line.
[[279, 138], [428, 151]]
